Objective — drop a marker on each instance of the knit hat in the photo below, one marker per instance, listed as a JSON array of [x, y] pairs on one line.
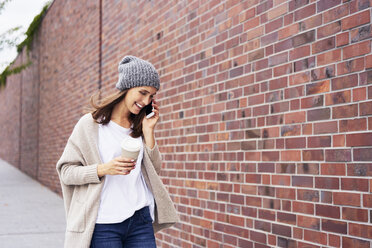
[[135, 72]]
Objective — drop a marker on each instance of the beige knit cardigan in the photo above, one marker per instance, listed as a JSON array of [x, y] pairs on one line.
[[81, 186]]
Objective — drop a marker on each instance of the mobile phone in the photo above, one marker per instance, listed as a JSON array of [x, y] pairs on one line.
[[149, 112]]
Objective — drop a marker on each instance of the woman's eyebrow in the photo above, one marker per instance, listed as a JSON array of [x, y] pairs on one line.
[[148, 92]]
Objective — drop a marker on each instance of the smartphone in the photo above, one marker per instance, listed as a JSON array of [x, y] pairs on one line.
[[149, 112]]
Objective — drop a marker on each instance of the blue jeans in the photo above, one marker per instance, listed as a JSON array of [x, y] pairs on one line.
[[135, 232]]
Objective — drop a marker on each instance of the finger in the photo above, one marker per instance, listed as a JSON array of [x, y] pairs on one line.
[[123, 171], [155, 106], [156, 112], [125, 160], [126, 165]]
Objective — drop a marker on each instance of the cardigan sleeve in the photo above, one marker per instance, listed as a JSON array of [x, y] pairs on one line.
[[72, 168], [155, 157]]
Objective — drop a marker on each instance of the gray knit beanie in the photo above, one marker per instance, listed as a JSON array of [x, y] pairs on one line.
[[135, 72]]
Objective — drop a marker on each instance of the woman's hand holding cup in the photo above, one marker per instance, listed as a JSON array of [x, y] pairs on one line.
[[117, 166]]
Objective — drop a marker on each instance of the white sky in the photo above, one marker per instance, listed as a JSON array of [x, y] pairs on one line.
[[17, 13]]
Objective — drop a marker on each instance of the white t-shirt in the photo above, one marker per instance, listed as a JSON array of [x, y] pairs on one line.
[[121, 195]]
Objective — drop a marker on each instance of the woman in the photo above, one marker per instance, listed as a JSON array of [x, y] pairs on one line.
[[110, 200]]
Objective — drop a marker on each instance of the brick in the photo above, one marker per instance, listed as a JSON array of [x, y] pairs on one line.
[[313, 155], [290, 130], [257, 236], [344, 82], [323, 72], [262, 225], [345, 111], [338, 97], [293, 5], [283, 45], [353, 242], [288, 31], [303, 38], [256, 55], [355, 214], [356, 20], [311, 102], [318, 114], [278, 59], [308, 168], [360, 230], [316, 88], [281, 180], [236, 72], [323, 45], [353, 125], [281, 230], [342, 39], [346, 199], [296, 117], [308, 222], [314, 236], [299, 78], [279, 107], [311, 22], [336, 13], [329, 29], [362, 154], [294, 104], [359, 94], [334, 240], [359, 5], [339, 140], [333, 169], [360, 34], [325, 127], [334, 226], [328, 211], [326, 197], [308, 195], [326, 4], [263, 75], [356, 49], [365, 108], [293, 143], [350, 66], [365, 77], [329, 57], [305, 12], [303, 207], [282, 70], [320, 141], [359, 139], [359, 169], [286, 218], [338, 155], [302, 181], [285, 193], [354, 184], [327, 183], [299, 52], [274, 25], [276, 12]]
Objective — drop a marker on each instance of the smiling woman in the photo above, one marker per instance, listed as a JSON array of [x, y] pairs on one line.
[[104, 191]]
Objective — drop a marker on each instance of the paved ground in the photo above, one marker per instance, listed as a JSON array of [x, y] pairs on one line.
[[30, 214]]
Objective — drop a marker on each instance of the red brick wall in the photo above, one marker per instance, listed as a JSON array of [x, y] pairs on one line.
[[266, 114]]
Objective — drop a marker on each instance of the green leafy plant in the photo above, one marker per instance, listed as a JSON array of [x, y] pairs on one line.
[[27, 42]]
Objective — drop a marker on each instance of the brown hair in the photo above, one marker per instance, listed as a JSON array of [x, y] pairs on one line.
[[102, 109]]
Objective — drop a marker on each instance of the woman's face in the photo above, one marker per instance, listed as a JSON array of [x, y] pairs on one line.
[[138, 97]]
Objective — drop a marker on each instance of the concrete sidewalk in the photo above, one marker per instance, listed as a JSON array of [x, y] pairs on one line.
[[31, 215]]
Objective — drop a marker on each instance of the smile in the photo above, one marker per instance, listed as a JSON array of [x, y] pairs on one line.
[[139, 106]]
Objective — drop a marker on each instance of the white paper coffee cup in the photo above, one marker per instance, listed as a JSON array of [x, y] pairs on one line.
[[130, 147]]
